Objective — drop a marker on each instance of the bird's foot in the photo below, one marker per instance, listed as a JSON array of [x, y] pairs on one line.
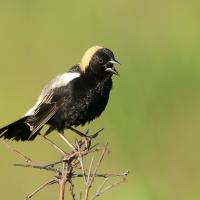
[[86, 137]]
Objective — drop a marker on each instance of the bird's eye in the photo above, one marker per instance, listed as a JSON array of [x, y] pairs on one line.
[[100, 60]]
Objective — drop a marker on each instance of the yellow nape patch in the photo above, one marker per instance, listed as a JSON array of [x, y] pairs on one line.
[[87, 57]]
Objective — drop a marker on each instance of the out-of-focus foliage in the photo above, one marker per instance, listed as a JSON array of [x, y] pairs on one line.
[[152, 120]]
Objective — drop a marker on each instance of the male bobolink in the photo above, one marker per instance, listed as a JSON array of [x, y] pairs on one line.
[[70, 99]]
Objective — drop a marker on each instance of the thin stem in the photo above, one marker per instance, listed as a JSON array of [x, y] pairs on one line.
[[106, 175], [81, 162], [113, 185], [90, 170], [48, 168], [52, 181], [24, 157], [98, 192], [102, 191]]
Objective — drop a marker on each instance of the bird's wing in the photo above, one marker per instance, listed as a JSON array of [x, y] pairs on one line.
[[44, 112], [49, 101]]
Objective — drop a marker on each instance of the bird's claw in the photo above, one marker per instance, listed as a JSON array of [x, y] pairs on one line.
[[87, 141]]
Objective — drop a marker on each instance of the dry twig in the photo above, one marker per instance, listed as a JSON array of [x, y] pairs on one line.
[[72, 163], [40, 188]]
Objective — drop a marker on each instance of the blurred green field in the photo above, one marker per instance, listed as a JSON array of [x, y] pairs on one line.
[[152, 120]]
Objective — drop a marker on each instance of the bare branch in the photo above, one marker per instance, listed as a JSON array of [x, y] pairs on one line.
[[48, 168], [106, 175], [71, 166]]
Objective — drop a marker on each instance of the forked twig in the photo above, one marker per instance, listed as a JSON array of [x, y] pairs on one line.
[[99, 163], [81, 162], [98, 192], [101, 191], [91, 177]]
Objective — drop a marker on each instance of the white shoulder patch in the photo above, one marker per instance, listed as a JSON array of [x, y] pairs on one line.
[[58, 81], [63, 79]]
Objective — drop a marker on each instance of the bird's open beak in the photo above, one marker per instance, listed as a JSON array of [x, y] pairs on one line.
[[113, 61], [112, 69]]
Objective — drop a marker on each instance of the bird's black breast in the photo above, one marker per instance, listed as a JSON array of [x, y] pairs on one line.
[[85, 99]]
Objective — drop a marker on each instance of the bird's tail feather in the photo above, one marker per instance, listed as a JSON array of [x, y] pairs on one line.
[[18, 130]]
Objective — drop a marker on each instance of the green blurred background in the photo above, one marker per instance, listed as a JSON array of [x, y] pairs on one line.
[[152, 120]]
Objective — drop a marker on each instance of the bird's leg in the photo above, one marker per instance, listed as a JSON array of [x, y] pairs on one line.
[[53, 144], [61, 134], [78, 132], [50, 129]]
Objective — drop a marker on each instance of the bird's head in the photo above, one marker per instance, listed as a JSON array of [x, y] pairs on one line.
[[99, 60]]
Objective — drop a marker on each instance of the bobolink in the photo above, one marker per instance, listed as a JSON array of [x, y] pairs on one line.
[[70, 99]]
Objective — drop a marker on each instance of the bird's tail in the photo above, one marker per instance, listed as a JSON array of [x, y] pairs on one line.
[[18, 130]]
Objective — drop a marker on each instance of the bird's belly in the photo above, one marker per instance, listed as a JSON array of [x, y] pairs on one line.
[[79, 111]]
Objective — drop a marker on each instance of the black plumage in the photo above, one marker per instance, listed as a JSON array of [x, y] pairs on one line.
[[71, 99]]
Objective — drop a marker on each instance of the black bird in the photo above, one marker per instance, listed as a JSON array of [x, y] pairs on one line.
[[70, 99]]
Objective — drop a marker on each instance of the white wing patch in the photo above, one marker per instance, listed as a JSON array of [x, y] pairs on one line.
[[63, 79], [58, 81]]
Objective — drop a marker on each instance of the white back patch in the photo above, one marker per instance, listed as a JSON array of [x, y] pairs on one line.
[[58, 81]]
